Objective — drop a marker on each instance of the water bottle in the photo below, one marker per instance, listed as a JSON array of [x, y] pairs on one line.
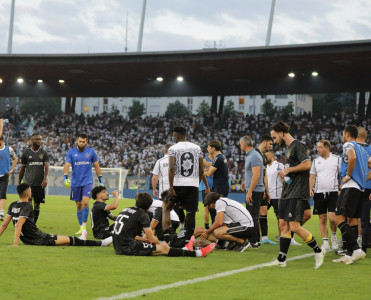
[[112, 196], [6, 121], [287, 178]]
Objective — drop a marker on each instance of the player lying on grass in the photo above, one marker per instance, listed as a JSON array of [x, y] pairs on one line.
[[130, 224], [21, 213], [101, 212], [233, 223]]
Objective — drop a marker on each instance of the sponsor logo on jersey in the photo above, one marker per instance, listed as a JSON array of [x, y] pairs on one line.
[[290, 215], [36, 163], [81, 163], [30, 156], [16, 210]]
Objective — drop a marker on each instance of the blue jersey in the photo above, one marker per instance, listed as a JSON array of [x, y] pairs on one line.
[[209, 179], [81, 163], [359, 173], [368, 150]]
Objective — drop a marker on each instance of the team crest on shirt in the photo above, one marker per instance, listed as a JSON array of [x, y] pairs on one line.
[[288, 153], [41, 156], [187, 162], [87, 155]]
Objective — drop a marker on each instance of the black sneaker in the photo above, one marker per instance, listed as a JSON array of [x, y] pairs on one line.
[[241, 247], [232, 245]]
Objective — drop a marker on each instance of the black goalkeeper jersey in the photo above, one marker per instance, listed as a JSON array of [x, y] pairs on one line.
[[299, 188], [129, 223], [34, 162], [30, 233], [99, 218]]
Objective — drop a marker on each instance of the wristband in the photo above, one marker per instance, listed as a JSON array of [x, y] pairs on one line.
[[65, 176], [347, 177]]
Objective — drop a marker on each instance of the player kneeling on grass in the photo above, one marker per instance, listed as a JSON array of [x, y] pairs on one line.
[[101, 212], [130, 224], [21, 213], [233, 223]]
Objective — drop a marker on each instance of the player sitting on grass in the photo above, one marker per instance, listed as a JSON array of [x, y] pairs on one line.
[[130, 224], [101, 212], [233, 223], [21, 213]]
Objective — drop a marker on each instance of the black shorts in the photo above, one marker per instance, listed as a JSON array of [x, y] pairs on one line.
[[178, 240], [47, 240], [306, 205], [349, 203], [4, 186], [103, 234], [292, 209], [141, 249], [274, 204], [239, 231], [187, 197], [264, 201], [38, 194], [324, 202]]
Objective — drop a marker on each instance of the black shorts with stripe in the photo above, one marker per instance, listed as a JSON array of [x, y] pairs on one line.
[[239, 231], [140, 249], [349, 203], [324, 202]]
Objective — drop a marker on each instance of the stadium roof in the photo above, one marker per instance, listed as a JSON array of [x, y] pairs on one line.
[[341, 67]]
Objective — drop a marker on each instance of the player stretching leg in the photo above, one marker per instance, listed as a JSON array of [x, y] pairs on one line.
[[82, 159], [21, 213]]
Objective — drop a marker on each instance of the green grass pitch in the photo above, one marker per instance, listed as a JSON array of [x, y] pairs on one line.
[[37, 272]]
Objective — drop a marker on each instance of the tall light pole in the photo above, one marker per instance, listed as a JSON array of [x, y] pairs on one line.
[[269, 31], [139, 48], [10, 39]]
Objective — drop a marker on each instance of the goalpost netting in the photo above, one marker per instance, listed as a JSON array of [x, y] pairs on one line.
[[114, 179]]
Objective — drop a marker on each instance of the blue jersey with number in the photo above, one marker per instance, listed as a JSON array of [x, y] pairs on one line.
[[81, 163]]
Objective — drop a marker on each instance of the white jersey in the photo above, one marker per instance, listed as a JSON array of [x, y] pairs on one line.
[[327, 173], [234, 212], [158, 203], [161, 169], [274, 180], [187, 157]]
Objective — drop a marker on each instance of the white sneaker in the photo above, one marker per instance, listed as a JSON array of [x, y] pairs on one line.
[[277, 263], [356, 256], [344, 259], [106, 242], [319, 258], [295, 243], [334, 243], [325, 246], [84, 235], [1, 217]]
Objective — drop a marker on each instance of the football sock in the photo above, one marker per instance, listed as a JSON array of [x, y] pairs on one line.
[[167, 235], [180, 213], [325, 240], [311, 242], [180, 252], [263, 225], [334, 234], [190, 223], [284, 247], [36, 213], [348, 235], [292, 234], [77, 242], [85, 214], [2, 212], [79, 216], [212, 215]]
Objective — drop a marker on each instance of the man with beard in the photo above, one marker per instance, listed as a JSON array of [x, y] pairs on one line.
[[81, 159], [34, 171], [294, 195]]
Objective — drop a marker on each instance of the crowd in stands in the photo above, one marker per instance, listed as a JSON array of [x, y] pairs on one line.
[[136, 144]]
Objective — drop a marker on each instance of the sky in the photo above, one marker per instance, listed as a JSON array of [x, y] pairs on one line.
[[99, 26]]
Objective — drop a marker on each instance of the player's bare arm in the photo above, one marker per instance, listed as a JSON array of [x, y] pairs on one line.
[[18, 230], [303, 166], [21, 174], [97, 168], [46, 174], [154, 185], [312, 180], [254, 181], [352, 157], [5, 224], [171, 176], [115, 202], [218, 223], [15, 161]]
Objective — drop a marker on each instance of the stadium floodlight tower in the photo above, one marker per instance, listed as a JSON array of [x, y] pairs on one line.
[[270, 24], [10, 38], [139, 48]]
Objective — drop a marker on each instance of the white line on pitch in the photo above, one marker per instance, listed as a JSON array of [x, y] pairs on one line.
[[192, 281]]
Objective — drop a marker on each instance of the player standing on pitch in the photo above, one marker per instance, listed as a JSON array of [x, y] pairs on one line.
[[81, 159], [35, 169]]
